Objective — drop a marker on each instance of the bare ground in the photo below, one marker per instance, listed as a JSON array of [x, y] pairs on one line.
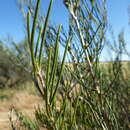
[[23, 102]]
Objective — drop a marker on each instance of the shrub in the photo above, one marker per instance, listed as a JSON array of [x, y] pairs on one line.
[[82, 94]]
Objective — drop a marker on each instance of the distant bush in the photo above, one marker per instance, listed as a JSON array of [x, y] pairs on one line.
[[11, 71]]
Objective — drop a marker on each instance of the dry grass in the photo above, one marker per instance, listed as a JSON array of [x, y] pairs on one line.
[[24, 100]]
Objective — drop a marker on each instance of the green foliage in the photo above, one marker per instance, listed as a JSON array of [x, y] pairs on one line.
[[14, 65], [28, 124], [24, 122], [82, 94]]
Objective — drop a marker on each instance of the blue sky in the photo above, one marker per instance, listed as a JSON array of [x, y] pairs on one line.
[[118, 17], [11, 22]]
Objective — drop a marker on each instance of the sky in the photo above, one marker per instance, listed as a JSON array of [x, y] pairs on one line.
[[118, 18], [11, 21]]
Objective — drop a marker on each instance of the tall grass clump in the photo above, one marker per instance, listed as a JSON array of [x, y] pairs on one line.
[[82, 93]]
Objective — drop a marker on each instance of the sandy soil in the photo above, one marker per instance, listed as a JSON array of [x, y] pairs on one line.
[[23, 102]]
